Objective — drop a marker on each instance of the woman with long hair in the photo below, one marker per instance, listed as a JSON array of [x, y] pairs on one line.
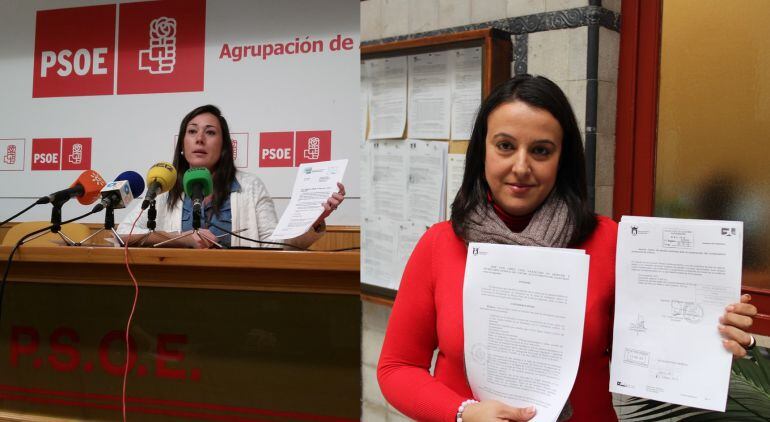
[[239, 202], [524, 184]]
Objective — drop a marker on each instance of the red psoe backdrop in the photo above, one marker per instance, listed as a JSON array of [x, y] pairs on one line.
[[161, 46], [74, 52]]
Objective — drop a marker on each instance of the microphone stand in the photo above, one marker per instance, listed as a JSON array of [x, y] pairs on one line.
[[109, 224], [56, 224], [195, 232], [152, 213]]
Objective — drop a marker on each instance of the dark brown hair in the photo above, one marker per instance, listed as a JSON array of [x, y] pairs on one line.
[[538, 92], [224, 173]]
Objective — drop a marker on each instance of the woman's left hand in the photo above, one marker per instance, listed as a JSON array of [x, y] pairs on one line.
[[734, 324], [332, 203]]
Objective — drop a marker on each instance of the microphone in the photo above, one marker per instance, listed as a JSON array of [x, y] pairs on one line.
[[197, 185], [120, 192], [86, 188], [160, 178]]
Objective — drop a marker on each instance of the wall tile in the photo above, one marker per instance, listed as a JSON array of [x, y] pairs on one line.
[[548, 54], [396, 416], [605, 159], [453, 13], [373, 413], [606, 114], [371, 345], [371, 20], [609, 51], [375, 317], [488, 10], [524, 7], [604, 200], [578, 53], [395, 17], [576, 94], [371, 393], [613, 5], [554, 5], [423, 16]]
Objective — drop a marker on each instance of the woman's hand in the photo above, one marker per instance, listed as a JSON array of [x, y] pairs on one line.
[[331, 204], [493, 410], [734, 324]]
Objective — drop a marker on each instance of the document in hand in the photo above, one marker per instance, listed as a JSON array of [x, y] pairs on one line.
[[674, 279], [314, 184], [523, 313]]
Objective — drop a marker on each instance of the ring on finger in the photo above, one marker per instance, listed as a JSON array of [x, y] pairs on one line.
[[752, 343]]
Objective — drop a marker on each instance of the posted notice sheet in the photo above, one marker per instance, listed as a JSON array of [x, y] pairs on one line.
[[314, 184], [674, 279], [523, 313]]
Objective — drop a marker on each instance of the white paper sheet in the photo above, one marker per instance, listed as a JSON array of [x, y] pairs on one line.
[[674, 279], [314, 184], [426, 181], [364, 101], [367, 192], [454, 178], [387, 97], [389, 179], [409, 234], [429, 96], [379, 240], [466, 91], [523, 313]]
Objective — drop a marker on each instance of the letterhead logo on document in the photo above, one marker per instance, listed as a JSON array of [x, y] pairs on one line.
[[74, 52], [162, 45]]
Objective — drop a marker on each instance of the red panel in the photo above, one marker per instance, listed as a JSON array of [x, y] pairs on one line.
[[313, 146], [76, 154], [637, 118], [624, 132], [46, 154], [74, 52], [161, 46], [761, 299], [276, 149]]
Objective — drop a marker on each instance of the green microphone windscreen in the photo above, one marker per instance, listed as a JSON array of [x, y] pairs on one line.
[[198, 175]]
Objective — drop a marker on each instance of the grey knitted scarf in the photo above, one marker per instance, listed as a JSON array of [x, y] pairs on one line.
[[550, 226]]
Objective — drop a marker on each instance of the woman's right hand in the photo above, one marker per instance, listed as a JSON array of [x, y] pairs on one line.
[[493, 410]]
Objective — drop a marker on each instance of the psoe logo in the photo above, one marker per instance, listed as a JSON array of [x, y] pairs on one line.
[[290, 149], [12, 153], [76, 49], [161, 46], [74, 52], [160, 57]]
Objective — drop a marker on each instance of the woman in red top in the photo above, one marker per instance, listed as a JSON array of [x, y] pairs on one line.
[[524, 184]]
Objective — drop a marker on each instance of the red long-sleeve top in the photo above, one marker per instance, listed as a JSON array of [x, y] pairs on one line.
[[428, 314]]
